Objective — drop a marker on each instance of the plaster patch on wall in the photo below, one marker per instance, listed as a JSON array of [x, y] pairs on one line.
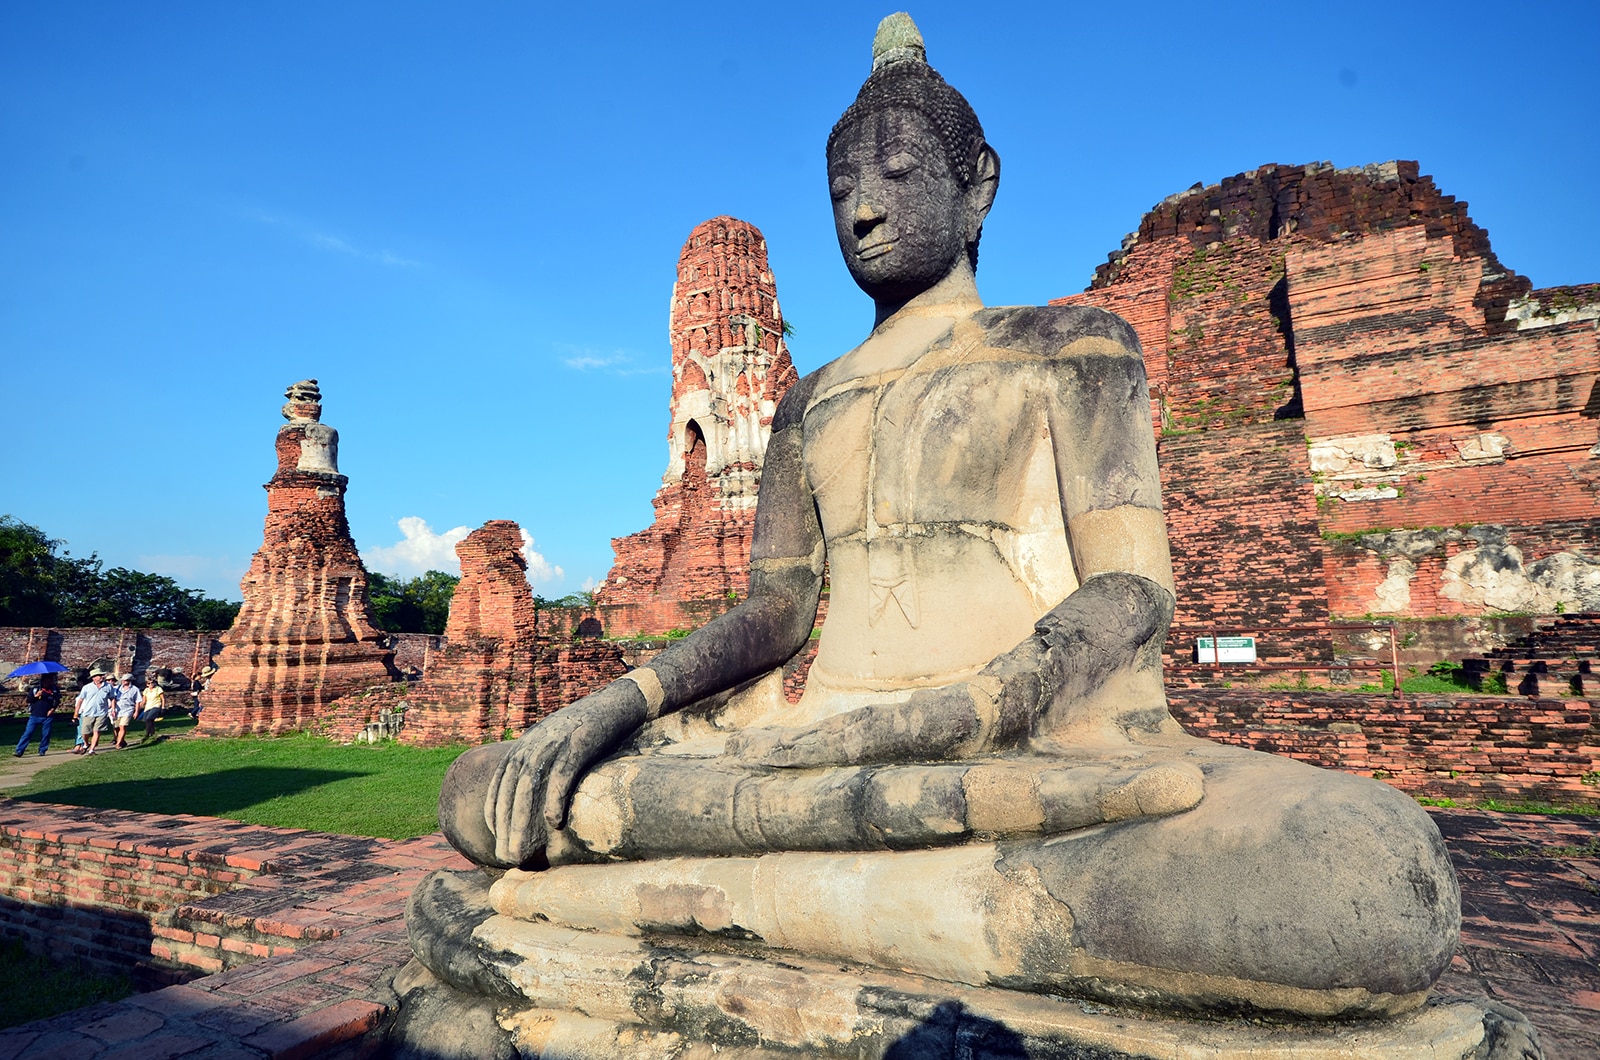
[[1364, 493], [1530, 312], [1393, 595], [1493, 576], [1481, 447], [1371, 452]]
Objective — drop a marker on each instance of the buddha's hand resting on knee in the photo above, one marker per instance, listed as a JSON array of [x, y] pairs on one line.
[[528, 798]]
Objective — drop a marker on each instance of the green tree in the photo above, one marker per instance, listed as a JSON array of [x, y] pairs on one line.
[[208, 613], [415, 605], [27, 569], [584, 598], [39, 587], [434, 591], [133, 598]]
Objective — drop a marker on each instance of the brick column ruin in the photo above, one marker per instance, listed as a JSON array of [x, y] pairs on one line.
[[730, 368], [482, 682], [305, 635]]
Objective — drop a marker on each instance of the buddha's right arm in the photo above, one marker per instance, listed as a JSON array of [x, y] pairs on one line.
[[502, 802]]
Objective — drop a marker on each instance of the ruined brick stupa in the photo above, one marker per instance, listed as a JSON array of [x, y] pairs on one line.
[[306, 634], [730, 368], [497, 672]]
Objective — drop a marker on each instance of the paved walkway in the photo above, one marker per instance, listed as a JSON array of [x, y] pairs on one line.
[[1530, 910], [1531, 937], [15, 772]]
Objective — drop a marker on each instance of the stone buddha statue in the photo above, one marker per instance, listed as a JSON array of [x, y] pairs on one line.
[[981, 795]]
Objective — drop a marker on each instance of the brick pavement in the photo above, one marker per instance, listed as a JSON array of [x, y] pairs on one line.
[[1531, 937], [1530, 932]]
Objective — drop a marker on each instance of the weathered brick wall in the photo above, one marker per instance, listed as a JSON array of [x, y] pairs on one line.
[[567, 671], [1246, 550], [482, 682], [503, 664], [414, 651], [1314, 204], [1447, 747], [81, 890], [1488, 421], [132, 650], [175, 897], [1215, 349], [663, 614], [1397, 573], [730, 369], [1366, 313]]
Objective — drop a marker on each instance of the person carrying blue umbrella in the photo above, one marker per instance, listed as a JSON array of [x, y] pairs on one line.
[[42, 702]]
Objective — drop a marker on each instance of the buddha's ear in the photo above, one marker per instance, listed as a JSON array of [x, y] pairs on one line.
[[980, 195]]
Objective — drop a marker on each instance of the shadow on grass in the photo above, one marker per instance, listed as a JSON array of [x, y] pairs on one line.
[[215, 794]]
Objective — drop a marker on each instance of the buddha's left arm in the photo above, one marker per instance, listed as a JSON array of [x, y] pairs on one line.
[[1101, 659]]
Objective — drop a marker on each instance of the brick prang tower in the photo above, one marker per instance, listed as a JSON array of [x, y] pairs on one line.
[[306, 634], [730, 368]]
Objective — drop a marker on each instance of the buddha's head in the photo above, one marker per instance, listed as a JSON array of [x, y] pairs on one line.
[[910, 172]]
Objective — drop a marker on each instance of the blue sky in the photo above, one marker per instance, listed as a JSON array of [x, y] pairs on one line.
[[463, 220]]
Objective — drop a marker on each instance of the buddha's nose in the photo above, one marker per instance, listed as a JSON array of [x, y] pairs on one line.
[[868, 215]]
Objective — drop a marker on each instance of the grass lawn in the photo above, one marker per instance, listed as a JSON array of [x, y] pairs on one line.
[[35, 987], [297, 781]]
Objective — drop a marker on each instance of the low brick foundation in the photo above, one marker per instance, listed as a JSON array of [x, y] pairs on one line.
[[170, 898], [325, 911], [1471, 747]]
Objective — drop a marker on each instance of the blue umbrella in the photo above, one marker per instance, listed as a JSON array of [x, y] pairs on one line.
[[43, 666]]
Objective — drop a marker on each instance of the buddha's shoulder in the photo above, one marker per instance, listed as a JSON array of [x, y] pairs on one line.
[[1058, 331]]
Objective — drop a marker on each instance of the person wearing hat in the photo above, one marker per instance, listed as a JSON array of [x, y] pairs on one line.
[[154, 702], [128, 701], [94, 702]]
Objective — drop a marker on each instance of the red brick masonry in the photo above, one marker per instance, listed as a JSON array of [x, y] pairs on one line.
[[305, 634], [1448, 747], [1332, 352], [211, 895], [730, 368]]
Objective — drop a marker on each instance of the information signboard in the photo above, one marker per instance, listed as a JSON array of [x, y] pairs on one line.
[[1225, 649]]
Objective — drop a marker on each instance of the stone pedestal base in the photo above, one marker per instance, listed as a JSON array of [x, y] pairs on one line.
[[485, 985]]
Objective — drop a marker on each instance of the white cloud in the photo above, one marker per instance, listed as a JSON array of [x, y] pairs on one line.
[[332, 243], [419, 550], [539, 568], [615, 363], [589, 583]]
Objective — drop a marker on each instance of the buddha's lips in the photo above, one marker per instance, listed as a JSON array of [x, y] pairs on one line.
[[875, 246]]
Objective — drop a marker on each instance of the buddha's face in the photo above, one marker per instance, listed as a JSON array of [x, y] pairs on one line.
[[900, 214]]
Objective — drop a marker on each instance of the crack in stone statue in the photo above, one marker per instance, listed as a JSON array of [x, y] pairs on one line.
[[981, 797]]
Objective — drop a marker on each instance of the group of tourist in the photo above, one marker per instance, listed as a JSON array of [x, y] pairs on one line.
[[100, 706]]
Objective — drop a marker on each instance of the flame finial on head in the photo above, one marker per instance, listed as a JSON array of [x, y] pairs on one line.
[[897, 40]]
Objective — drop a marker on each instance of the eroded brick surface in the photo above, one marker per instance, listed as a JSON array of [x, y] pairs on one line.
[[1338, 351], [1507, 748], [504, 662], [330, 908], [305, 635]]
